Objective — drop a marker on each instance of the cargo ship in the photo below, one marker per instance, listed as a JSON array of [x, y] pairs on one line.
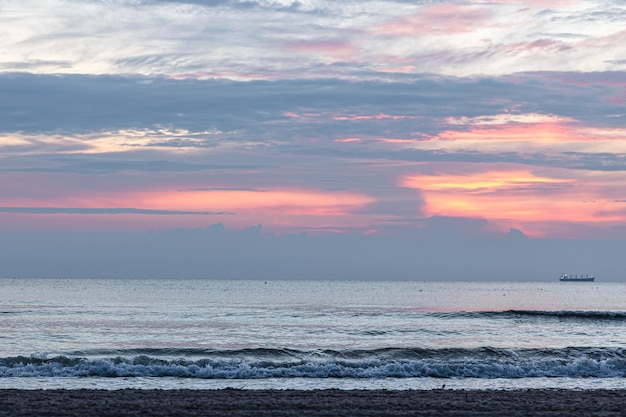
[[577, 278]]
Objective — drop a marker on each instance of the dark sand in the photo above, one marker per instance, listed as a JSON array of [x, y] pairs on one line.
[[234, 402]]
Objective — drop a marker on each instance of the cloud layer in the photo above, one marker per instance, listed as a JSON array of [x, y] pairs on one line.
[[346, 129], [326, 154], [260, 39]]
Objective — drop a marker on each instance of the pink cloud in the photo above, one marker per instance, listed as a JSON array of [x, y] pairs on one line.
[[617, 38], [438, 19], [347, 140], [167, 207], [532, 132], [538, 45], [338, 49], [618, 99], [350, 117], [399, 140]]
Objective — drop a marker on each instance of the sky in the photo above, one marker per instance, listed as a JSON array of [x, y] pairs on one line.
[[366, 139]]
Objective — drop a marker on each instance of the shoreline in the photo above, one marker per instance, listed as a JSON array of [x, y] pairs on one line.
[[313, 403]]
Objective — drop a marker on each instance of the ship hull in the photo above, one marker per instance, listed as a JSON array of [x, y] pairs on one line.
[[576, 278]]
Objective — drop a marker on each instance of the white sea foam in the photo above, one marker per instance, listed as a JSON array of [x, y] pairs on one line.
[[488, 363]]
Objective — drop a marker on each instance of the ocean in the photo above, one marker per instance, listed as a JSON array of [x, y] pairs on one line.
[[212, 334]]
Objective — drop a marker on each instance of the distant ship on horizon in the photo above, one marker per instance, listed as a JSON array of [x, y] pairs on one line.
[[577, 278]]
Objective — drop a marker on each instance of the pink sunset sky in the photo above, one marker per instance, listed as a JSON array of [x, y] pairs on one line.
[[365, 117]]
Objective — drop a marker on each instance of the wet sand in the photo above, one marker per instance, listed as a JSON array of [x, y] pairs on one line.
[[234, 402]]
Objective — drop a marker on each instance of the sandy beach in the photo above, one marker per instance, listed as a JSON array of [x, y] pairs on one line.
[[234, 402]]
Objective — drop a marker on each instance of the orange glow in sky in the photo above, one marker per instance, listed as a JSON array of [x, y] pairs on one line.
[[530, 128], [521, 196], [274, 201], [535, 132], [524, 134], [275, 209], [270, 206], [486, 181]]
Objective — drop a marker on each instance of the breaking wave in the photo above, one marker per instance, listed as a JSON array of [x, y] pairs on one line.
[[483, 362]]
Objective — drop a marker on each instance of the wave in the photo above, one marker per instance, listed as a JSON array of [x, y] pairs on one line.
[[484, 362], [560, 314], [599, 315]]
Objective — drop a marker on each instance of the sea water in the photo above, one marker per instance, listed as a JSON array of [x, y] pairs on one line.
[[210, 334]]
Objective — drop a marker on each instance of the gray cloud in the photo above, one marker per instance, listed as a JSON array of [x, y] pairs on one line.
[[102, 164], [234, 4], [258, 125], [34, 64], [34, 103], [453, 249], [82, 210]]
